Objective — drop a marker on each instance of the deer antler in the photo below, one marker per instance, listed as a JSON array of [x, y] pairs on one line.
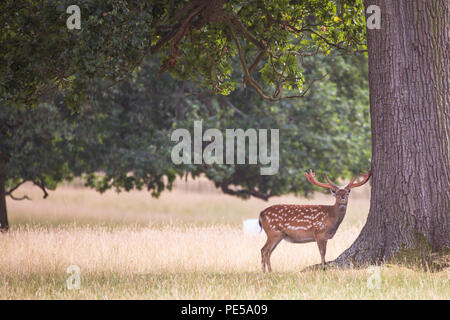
[[366, 177], [312, 180]]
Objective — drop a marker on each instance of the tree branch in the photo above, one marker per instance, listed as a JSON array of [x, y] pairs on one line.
[[197, 13], [163, 40], [231, 20], [225, 102], [183, 11], [10, 191], [41, 185], [19, 199], [244, 192], [252, 81], [14, 188], [332, 43]]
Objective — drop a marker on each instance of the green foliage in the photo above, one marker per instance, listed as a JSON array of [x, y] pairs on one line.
[[119, 135], [327, 131], [121, 139], [33, 145], [124, 132], [39, 53], [199, 39]]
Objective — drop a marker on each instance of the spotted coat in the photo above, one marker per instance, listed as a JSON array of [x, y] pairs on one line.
[[285, 217]]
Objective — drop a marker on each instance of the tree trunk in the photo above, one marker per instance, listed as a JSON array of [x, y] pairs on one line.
[[410, 118], [3, 213]]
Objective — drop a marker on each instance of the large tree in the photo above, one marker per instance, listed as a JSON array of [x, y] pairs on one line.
[[33, 148], [410, 113]]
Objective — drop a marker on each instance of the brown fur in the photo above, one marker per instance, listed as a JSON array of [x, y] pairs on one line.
[[305, 223]]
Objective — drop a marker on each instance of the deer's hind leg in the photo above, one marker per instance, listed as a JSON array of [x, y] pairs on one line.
[[273, 240]]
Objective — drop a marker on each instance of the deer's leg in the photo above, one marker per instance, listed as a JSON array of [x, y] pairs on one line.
[[263, 258], [270, 253], [322, 244], [266, 251]]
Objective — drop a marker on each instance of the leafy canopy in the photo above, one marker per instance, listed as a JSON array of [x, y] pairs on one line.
[[199, 39], [279, 49], [121, 138]]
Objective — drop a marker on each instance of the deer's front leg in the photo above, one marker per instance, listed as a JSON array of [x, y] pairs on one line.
[[322, 244]]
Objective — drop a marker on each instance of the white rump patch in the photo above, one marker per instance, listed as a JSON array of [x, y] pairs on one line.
[[251, 226]]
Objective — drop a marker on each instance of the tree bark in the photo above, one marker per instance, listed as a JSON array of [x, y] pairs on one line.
[[410, 118], [4, 226]]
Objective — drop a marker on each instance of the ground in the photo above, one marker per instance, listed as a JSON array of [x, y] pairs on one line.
[[188, 244]]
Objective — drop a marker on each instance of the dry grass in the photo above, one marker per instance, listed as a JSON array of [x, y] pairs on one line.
[[186, 245], [192, 203]]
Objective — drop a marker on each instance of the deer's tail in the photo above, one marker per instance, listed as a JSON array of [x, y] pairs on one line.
[[259, 221]]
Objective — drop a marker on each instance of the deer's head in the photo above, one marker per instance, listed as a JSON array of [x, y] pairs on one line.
[[341, 194]]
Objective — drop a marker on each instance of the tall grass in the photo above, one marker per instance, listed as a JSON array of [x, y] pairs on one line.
[[185, 245], [192, 205]]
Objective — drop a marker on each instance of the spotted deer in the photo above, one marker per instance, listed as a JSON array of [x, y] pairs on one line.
[[306, 223]]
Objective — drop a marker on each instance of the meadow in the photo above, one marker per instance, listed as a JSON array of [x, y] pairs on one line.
[[188, 244]]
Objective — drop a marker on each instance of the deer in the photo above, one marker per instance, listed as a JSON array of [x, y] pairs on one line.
[[306, 223]]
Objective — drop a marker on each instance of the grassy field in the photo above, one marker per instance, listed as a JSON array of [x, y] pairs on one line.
[[188, 244]]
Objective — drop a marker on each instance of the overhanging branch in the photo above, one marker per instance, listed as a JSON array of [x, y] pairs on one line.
[[248, 77], [10, 191], [196, 14], [25, 197]]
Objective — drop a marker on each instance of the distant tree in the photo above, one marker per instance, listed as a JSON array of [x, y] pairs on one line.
[[32, 148], [121, 138], [132, 135]]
